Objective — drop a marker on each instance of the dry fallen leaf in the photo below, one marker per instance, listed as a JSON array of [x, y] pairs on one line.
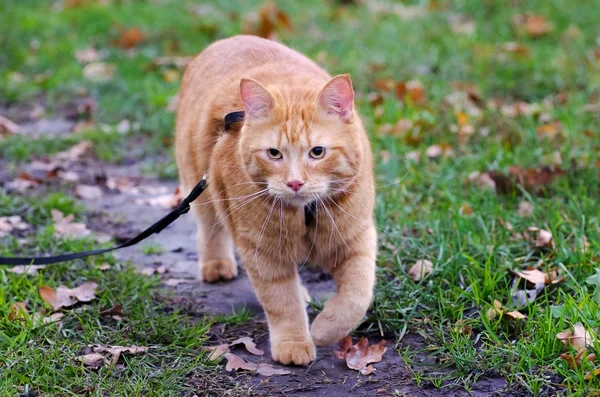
[[576, 361], [360, 355], [65, 227], [8, 127], [30, 270], [494, 311], [216, 352], [267, 21], [57, 299], [515, 315], [249, 344], [267, 369], [173, 282], [543, 238], [534, 276], [579, 338], [130, 38], [497, 309], [168, 201], [92, 360], [99, 71], [533, 25], [87, 55], [10, 223], [18, 311], [421, 268], [593, 374], [116, 351], [525, 209], [234, 363], [88, 192], [63, 296]]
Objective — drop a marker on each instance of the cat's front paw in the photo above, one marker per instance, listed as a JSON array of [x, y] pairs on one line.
[[215, 270], [328, 328], [299, 352]]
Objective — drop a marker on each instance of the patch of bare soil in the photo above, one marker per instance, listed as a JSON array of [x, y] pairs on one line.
[[120, 215]]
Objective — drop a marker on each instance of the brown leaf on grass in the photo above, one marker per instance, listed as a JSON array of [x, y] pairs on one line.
[[532, 179], [515, 315], [465, 210], [249, 344], [435, 151], [462, 24], [63, 296], [216, 352], [88, 192], [18, 311], [359, 356], [525, 209], [579, 338], [542, 238], [576, 361], [92, 360], [267, 21], [130, 38], [53, 318], [10, 223], [65, 227], [116, 351], [8, 127], [533, 25], [87, 55], [30, 270], [497, 309], [99, 71], [516, 49], [57, 299], [168, 201], [412, 90], [420, 269], [549, 130], [537, 277]]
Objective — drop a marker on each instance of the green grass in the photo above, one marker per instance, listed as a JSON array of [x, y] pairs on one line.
[[419, 203], [44, 357]]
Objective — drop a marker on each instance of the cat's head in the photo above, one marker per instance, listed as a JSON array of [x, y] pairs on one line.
[[303, 143]]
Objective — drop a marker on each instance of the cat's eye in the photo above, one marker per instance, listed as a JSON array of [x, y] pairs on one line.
[[274, 154], [317, 152]]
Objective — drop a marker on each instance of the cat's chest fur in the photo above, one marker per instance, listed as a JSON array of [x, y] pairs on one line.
[[272, 228]]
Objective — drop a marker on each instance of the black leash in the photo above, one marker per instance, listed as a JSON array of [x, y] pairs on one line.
[[181, 209]]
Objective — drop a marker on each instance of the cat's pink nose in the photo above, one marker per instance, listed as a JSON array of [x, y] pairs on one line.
[[295, 185]]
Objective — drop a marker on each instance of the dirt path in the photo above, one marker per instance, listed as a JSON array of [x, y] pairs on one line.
[[327, 376]]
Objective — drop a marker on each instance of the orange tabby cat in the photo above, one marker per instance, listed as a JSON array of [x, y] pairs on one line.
[[301, 142]]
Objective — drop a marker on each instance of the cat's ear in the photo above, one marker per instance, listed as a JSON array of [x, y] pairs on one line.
[[337, 97], [258, 101]]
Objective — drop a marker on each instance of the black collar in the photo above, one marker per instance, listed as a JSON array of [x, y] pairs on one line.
[[310, 210], [232, 118]]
